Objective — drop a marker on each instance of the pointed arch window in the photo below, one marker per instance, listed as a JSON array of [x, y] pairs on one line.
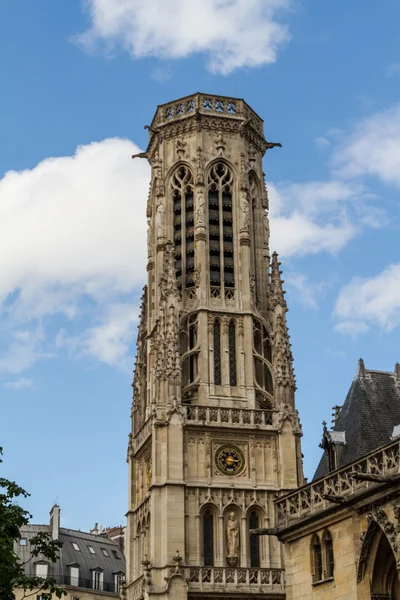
[[254, 540], [220, 227], [217, 352], [208, 538], [182, 195], [316, 558], [189, 349], [327, 553], [232, 352], [262, 357]]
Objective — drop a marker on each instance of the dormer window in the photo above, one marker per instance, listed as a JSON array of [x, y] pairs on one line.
[[332, 441], [74, 575], [42, 570], [97, 579]]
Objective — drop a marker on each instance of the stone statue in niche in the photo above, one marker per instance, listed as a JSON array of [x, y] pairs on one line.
[[200, 208], [232, 535], [245, 213], [160, 218]]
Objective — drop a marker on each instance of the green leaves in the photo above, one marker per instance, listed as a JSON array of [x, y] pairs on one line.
[[12, 573]]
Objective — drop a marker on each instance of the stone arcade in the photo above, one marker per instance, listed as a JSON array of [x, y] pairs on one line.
[[215, 434]]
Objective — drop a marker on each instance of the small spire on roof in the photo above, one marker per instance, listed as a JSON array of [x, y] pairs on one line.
[[361, 368]]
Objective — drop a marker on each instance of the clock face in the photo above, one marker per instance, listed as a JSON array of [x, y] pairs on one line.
[[229, 460]]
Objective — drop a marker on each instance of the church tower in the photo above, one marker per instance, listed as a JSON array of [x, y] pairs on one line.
[[215, 434]]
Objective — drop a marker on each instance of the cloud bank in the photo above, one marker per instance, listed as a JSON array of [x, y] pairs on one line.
[[73, 238], [232, 33]]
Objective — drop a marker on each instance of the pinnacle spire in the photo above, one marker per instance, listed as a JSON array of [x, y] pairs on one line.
[[277, 292]]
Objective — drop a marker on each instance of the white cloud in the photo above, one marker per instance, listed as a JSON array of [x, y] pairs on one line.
[[108, 340], [307, 292], [372, 149], [73, 230], [232, 33], [322, 142], [392, 69], [372, 301], [311, 217], [18, 384]]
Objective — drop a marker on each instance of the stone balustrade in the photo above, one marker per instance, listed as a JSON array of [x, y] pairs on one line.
[[240, 417], [208, 105], [229, 579], [309, 498]]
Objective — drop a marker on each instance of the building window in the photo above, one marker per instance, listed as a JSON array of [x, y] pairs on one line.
[[97, 580], [262, 357], [118, 581], [254, 540], [75, 546], [116, 555], [232, 352], [74, 576], [316, 559], [327, 552], [42, 570], [331, 451], [105, 552], [208, 538], [92, 550], [182, 195], [189, 350], [220, 228], [23, 541], [217, 352]]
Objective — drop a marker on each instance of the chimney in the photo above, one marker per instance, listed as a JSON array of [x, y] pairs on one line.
[[361, 368], [397, 372], [55, 522]]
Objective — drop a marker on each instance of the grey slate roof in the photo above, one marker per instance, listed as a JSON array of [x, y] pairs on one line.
[[83, 557], [370, 411]]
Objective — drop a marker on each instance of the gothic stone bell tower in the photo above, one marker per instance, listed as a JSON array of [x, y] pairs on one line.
[[215, 434]]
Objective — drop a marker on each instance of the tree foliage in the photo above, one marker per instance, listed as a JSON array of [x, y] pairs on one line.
[[12, 569]]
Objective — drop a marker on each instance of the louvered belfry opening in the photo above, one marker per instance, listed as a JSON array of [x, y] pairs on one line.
[[182, 194], [222, 276]]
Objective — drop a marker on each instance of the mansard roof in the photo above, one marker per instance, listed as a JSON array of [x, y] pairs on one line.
[[368, 416], [87, 561]]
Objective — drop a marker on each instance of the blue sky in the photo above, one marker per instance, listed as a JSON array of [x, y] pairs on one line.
[[79, 82]]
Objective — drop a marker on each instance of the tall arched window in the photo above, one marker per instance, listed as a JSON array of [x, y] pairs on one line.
[[254, 540], [232, 352], [189, 350], [182, 194], [262, 357], [316, 558], [327, 553], [208, 538], [222, 277], [217, 352]]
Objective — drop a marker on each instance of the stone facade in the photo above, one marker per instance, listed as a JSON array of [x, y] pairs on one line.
[[215, 434], [342, 533]]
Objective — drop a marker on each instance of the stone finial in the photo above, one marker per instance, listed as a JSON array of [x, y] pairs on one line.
[[397, 372], [277, 292], [361, 372]]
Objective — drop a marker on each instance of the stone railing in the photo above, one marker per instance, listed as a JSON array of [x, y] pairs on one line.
[[385, 461], [241, 417], [227, 578], [136, 589], [142, 435], [208, 105]]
